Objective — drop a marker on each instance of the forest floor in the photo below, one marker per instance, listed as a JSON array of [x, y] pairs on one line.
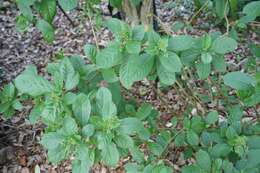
[[20, 151]]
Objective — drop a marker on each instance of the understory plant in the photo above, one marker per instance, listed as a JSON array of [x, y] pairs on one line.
[[89, 121]]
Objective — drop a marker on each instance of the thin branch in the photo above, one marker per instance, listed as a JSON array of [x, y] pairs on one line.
[[66, 15], [226, 18], [198, 12], [165, 28], [93, 32], [255, 24]]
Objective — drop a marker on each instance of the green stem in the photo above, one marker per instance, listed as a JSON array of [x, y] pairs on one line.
[[198, 12]]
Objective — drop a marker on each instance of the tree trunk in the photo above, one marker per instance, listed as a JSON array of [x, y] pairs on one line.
[[141, 14]]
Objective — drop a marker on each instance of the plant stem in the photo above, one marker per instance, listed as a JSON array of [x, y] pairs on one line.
[[226, 18], [165, 28], [66, 15], [93, 32], [170, 142], [198, 12]]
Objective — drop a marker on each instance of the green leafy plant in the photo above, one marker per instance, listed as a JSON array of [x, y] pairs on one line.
[[9, 101], [87, 117]]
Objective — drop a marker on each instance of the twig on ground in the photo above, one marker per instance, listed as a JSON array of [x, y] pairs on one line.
[[93, 32], [226, 18], [66, 15], [198, 12]]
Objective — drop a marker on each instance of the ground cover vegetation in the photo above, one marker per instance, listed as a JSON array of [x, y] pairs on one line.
[[80, 98]]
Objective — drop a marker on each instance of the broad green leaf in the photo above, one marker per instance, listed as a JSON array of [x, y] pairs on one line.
[[8, 112], [58, 154], [83, 160], [70, 77], [197, 124], [91, 51], [186, 123], [252, 10], [124, 141], [137, 155], [109, 75], [46, 29], [70, 126], [104, 102], [188, 57], [255, 49], [206, 58], [203, 70], [17, 105], [239, 80], [180, 139], [223, 45], [109, 57], [88, 130], [130, 126], [4, 107], [52, 68], [133, 168], [82, 109], [55, 143], [155, 148], [253, 142], [144, 111], [69, 98], [227, 166], [24, 7], [180, 43], [133, 47], [253, 158], [244, 20], [67, 5], [35, 113], [153, 37], [138, 32], [164, 138], [22, 23], [219, 63], [191, 169], [212, 117], [203, 160], [220, 8], [52, 140], [110, 154], [162, 169], [217, 164], [166, 77], [171, 62], [192, 138], [235, 113], [47, 9], [220, 150], [50, 112], [115, 89], [231, 133], [103, 139], [8, 92], [176, 26], [29, 82], [116, 3], [207, 138], [136, 68], [117, 27], [206, 42]]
